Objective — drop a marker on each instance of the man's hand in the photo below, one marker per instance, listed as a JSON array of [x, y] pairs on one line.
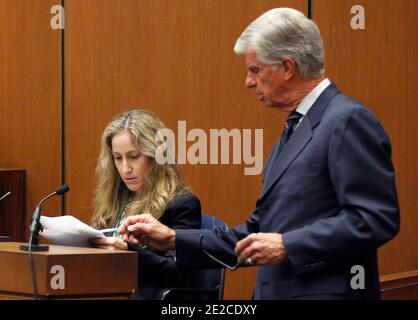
[[145, 229], [109, 243], [264, 249]]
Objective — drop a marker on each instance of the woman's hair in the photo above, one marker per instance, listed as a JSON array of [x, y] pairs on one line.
[[162, 181], [285, 32]]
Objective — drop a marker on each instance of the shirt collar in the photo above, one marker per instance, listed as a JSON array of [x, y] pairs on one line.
[[311, 97]]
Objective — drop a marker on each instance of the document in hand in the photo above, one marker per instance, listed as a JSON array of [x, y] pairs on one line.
[[68, 231]]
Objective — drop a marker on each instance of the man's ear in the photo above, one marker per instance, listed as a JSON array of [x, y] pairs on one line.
[[289, 68]]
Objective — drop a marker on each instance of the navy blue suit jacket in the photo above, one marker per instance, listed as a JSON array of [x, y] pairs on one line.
[[331, 193]]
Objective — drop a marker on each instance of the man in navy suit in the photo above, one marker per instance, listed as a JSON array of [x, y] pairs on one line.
[[329, 198]]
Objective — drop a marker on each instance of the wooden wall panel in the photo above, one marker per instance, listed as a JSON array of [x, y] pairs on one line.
[[378, 66], [30, 98], [176, 59]]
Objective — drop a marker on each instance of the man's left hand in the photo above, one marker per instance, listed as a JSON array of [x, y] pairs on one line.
[[263, 249]]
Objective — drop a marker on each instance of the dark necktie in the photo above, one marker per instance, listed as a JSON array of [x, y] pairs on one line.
[[291, 123]]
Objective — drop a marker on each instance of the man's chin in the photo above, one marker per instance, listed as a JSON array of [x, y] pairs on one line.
[[273, 105], [269, 104]]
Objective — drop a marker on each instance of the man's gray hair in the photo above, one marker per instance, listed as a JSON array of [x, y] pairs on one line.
[[285, 32]]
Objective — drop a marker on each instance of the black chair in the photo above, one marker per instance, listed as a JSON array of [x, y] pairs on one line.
[[207, 284]]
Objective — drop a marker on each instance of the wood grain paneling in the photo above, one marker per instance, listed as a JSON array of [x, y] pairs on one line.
[[30, 98], [400, 286], [378, 66], [176, 59]]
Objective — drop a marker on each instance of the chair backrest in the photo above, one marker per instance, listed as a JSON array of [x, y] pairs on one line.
[[210, 222], [206, 284]]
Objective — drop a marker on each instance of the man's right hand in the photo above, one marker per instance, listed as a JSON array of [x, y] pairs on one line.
[[145, 229]]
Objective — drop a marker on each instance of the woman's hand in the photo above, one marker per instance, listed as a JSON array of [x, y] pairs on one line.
[[111, 243]]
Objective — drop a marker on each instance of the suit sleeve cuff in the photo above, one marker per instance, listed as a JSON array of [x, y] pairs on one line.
[[298, 256], [187, 247]]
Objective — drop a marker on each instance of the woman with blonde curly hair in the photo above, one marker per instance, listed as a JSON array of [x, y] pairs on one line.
[[130, 181]]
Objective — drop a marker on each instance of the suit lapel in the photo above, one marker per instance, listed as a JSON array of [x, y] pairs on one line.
[[289, 152], [270, 159], [299, 139]]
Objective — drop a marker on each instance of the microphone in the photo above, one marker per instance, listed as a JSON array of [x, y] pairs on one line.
[[5, 195], [36, 226], [33, 238], [5, 238]]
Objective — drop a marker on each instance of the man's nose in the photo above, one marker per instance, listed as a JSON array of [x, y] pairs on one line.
[[250, 82]]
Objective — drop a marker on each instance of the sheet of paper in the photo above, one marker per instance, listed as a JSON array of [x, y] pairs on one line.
[[68, 231]]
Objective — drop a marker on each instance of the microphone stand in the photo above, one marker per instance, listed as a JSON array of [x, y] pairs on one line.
[[34, 242], [35, 227]]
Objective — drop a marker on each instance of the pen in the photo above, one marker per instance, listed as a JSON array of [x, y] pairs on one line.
[[109, 230]]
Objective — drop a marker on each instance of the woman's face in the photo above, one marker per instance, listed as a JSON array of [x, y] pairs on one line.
[[132, 165]]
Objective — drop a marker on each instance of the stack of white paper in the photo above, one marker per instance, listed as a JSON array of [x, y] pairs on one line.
[[68, 231]]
